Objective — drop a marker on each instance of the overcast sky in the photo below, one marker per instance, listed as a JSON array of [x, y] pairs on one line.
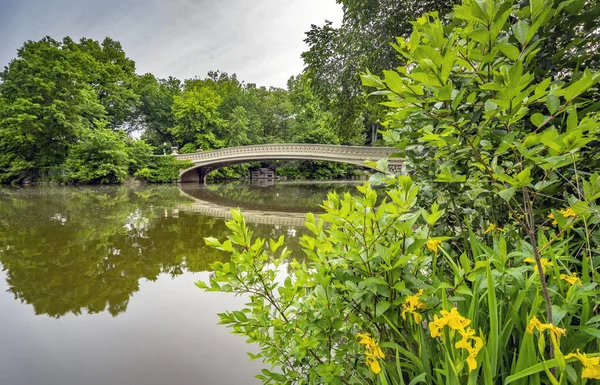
[[261, 41]]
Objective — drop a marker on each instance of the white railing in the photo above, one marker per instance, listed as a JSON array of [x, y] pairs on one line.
[[308, 151]]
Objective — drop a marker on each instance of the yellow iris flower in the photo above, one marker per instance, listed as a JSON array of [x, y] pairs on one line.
[[455, 321], [411, 305], [572, 279], [591, 365], [451, 318], [555, 331], [473, 349], [373, 352], [433, 244], [545, 262]]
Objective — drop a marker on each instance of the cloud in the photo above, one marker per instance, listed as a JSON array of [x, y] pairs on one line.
[[260, 41]]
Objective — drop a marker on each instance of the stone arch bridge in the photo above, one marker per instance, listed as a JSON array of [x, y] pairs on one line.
[[205, 162]]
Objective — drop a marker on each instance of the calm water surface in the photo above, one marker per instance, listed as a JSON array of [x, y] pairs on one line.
[[97, 283]]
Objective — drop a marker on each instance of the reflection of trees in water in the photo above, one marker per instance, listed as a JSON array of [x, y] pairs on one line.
[[85, 249]]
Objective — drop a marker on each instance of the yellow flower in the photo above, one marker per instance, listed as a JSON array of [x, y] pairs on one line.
[[451, 318], [564, 212], [493, 227], [533, 324], [544, 262], [411, 305], [372, 352], [455, 321], [555, 331], [473, 349], [572, 279], [433, 244], [591, 365]]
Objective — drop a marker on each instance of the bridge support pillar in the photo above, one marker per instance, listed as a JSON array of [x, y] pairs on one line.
[[197, 175]]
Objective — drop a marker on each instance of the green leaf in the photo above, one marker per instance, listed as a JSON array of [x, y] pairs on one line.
[[510, 51], [552, 102], [445, 93], [382, 164], [537, 119], [212, 242], [393, 81], [274, 245], [579, 86], [520, 30], [591, 331], [381, 308], [507, 194], [370, 80], [523, 178], [418, 379], [531, 370]]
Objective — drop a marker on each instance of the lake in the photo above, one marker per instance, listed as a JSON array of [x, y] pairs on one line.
[[97, 283]]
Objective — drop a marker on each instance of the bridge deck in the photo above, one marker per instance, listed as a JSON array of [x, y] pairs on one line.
[[205, 162]]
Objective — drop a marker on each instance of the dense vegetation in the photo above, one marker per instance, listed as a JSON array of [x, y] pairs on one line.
[[68, 109], [482, 267]]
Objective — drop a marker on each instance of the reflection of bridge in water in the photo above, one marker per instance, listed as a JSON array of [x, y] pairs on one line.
[[209, 203], [205, 162]]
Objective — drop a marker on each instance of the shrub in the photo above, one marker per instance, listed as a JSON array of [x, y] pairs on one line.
[[100, 157], [162, 169]]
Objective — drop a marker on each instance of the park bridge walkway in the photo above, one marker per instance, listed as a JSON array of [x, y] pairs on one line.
[[205, 162]]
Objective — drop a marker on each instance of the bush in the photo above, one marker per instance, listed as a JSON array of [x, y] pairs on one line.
[[99, 157], [162, 169], [485, 270]]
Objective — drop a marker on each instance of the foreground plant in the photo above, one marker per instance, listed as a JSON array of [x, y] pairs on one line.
[[461, 277]]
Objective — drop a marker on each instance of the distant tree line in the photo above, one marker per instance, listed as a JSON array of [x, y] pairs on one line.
[[68, 111]]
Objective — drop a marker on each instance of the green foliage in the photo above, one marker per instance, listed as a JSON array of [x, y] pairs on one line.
[[484, 271], [187, 148], [53, 95], [196, 117], [99, 157], [162, 169], [138, 153], [468, 107], [337, 56], [154, 114]]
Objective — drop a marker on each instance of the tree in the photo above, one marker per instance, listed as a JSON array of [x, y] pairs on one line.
[[155, 113], [48, 103], [311, 124], [196, 116], [573, 42], [337, 56], [112, 76], [56, 93], [239, 126]]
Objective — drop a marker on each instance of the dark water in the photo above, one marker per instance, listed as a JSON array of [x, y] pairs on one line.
[[97, 284]]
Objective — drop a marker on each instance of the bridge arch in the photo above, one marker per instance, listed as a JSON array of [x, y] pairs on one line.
[[205, 162]]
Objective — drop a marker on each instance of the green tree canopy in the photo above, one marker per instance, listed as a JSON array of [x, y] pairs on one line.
[[337, 56], [53, 94], [154, 115]]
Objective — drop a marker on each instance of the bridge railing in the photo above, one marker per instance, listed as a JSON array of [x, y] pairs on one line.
[[333, 150]]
